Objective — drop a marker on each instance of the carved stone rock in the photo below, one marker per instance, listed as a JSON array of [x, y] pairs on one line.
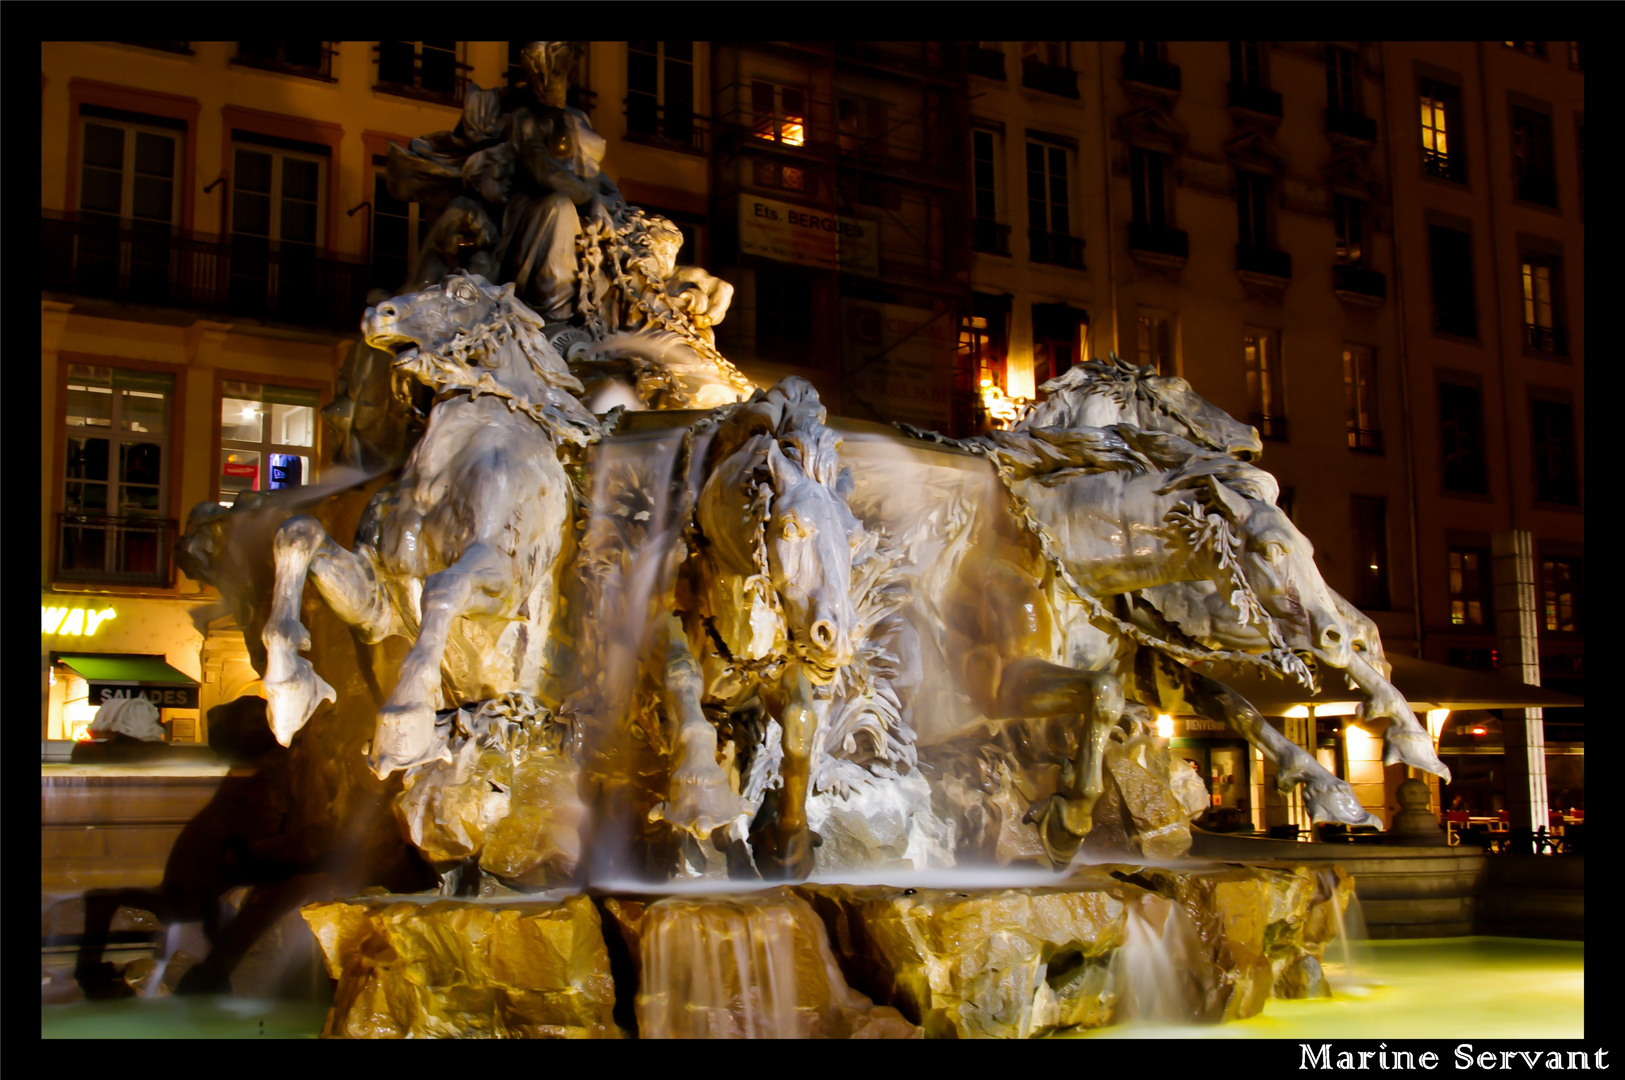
[[464, 969]]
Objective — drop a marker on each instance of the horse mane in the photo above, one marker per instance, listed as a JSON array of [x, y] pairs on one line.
[[1114, 376]]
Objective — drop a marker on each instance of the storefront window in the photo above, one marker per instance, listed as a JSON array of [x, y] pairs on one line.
[[267, 436]]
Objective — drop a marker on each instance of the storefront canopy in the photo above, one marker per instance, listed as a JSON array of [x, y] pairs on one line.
[[113, 676], [1426, 685]]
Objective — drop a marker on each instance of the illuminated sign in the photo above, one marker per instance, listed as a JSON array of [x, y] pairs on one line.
[[79, 622], [164, 697]]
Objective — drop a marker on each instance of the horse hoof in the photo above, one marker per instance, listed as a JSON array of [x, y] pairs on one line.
[[1414, 748], [291, 702], [1061, 837], [404, 737], [1337, 804]]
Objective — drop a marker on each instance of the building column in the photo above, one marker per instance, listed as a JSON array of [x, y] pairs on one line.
[[1523, 731]]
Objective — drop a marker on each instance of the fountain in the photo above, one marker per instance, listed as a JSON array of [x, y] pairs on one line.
[[721, 717]]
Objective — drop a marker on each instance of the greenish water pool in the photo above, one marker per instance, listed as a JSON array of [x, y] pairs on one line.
[[1444, 988]]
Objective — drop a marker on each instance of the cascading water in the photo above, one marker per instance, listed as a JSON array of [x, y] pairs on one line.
[[1152, 968], [715, 969]]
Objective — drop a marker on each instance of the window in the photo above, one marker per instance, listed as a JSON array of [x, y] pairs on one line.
[[1247, 64], [986, 58], [984, 337], [1559, 593], [1047, 66], [1342, 93], [1533, 48], [775, 174], [427, 69], [1252, 210], [1049, 227], [1441, 131], [398, 230], [784, 316], [864, 126], [660, 90], [1452, 272], [278, 193], [779, 113], [1540, 332], [1266, 400], [1052, 53], [1370, 518], [1552, 430], [1156, 331], [1349, 216], [1461, 438], [1058, 340], [116, 469], [1577, 58], [312, 59], [1148, 175], [1360, 398], [129, 168], [267, 436], [1470, 603], [987, 234], [1532, 156]]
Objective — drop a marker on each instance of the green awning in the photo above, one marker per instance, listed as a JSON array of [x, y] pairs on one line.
[[132, 670]]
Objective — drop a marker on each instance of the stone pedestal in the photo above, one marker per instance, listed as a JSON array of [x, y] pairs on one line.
[[1415, 824]]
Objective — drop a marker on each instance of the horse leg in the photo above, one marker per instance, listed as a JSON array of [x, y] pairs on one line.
[[793, 840], [700, 798], [293, 690], [474, 585], [1038, 688], [1405, 740], [1328, 798]]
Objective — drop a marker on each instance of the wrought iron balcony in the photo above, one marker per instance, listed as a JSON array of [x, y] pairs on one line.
[[1255, 99], [665, 126], [115, 550], [1366, 441], [1158, 240], [988, 63], [1055, 249], [419, 72], [1037, 75], [307, 59], [990, 237], [1359, 282], [1269, 427], [133, 263], [1444, 166], [1351, 125], [1266, 261], [1544, 341], [1153, 73], [1539, 189]]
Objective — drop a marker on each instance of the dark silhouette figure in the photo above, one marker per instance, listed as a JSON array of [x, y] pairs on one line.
[[242, 837]]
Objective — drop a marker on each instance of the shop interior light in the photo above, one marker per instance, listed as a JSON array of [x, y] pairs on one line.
[[1436, 719], [1165, 726]]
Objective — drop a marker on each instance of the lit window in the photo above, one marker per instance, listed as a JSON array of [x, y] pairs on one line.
[[1558, 579], [267, 435], [1156, 330], [1537, 293], [1467, 586], [1265, 399], [1360, 398], [779, 113]]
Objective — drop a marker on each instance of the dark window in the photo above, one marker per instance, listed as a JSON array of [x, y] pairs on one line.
[[1452, 266], [1533, 48], [129, 169], [1461, 437], [660, 89], [1556, 480], [1147, 173], [1442, 148], [1532, 156], [1559, 594], [1349, 215], [421, 69], [1047, 189], [784, 322], [1341, 88], [1058, 333], [1370, 517], [1252, 210], [983, 172], [1360, 398], [1470, 595], [398, 229], [309, 58], [1247, 64]]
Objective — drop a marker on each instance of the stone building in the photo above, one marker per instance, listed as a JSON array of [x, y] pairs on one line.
[[1373, 251]]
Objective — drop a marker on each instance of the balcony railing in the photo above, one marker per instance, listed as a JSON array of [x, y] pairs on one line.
[[1158, 240], [1255, 99], [1037, 75], [1158, 73], [114, 550], [125, 261], [662, 125], [423, 73], [988, 63], [1055, 249], [307, 59], [1365, 440], [1351, 125], [1537, 189], [1544, 340], [1269, 427], [1359, 281], [1266, 261], [1444, 166], [990, 237]]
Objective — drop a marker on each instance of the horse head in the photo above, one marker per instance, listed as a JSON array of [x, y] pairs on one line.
[[1099, 393], [467, 334], [775, 517]]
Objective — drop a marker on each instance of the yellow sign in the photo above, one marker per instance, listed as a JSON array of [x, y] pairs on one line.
[[80, 622], [796, 234]]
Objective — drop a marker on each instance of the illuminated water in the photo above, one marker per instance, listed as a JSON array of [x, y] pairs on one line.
[[1440, 988]]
